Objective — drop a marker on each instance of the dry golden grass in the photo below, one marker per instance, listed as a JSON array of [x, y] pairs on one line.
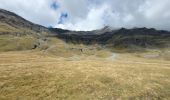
[[14, 43], [7, 28], [31, 75]]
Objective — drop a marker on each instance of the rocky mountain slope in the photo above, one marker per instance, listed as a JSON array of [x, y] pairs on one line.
[[37, 35], [120, 38], [18, 22], [16, 33]]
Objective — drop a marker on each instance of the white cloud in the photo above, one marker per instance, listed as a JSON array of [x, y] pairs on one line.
[[94, 14], [37, 11]]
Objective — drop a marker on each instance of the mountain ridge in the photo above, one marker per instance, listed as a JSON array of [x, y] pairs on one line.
[[106, 37], [16, 21]]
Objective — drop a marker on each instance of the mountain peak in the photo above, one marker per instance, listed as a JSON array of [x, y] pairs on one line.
[[107, 28]]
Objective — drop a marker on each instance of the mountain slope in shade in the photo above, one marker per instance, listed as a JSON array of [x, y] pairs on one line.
[[38, 35], [121, 38]]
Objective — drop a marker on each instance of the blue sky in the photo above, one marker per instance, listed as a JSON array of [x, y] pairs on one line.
[[93, 14], [54, 5], [63, 17]]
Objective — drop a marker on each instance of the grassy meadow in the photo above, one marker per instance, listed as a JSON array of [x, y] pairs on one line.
[[36, 68], [34, 75]]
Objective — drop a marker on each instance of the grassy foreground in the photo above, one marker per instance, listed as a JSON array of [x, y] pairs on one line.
[[29, 75]]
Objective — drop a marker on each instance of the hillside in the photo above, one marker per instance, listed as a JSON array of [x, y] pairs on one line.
[[120, 38], [135, 39], [16, 23], [18, 34]]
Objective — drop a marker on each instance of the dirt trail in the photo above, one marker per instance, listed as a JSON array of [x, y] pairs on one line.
[[145, 63], [114, 56]]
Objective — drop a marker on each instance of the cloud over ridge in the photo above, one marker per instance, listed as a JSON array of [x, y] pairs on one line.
[[93, 14]]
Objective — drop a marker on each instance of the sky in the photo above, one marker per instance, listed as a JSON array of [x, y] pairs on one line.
[[86, 15]]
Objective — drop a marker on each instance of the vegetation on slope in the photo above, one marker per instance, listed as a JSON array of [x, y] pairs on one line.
[[11, 43]]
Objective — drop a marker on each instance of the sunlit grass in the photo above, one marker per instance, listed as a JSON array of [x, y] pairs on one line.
[[34, 75], [13, 43]]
